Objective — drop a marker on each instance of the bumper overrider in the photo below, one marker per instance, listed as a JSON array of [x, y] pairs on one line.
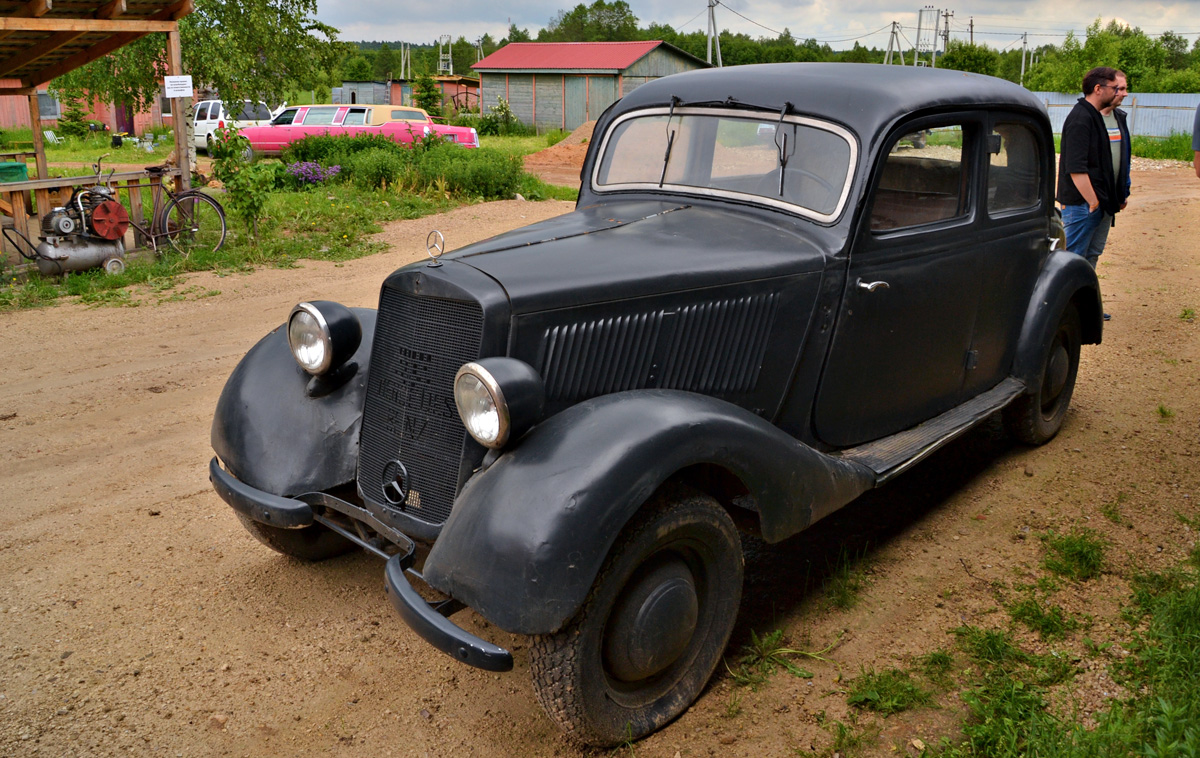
[[429, 620]]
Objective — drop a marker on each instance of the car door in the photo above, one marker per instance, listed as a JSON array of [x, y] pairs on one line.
[[904, 328], [199, 133], [1013, 243]]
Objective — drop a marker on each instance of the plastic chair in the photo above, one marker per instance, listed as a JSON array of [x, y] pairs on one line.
[[52, 138]]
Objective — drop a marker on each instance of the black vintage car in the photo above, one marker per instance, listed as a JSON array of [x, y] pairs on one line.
[[766, 302]]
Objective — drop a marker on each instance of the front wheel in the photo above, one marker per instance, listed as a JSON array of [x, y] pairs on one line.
[[1035, 418], [194, 222], [312, 543], [652, 629]]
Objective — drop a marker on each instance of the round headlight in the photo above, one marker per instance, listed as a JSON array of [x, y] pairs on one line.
[[322, 336], [498, 399], [481, 405]]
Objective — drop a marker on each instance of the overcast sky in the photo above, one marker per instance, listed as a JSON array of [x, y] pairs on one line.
[[836, 22]]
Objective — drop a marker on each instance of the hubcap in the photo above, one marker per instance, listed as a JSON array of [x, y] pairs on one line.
[[1056, 376], [652, 622]]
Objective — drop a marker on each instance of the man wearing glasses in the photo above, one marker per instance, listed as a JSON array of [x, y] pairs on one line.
[[1093, 168]]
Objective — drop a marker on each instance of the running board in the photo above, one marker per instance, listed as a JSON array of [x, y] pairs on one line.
[[891, 455]]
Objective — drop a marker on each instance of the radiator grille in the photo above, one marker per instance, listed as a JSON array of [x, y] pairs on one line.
[[409, 414], [715, 348]]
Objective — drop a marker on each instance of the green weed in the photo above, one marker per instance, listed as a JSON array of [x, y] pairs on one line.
[[936, 666], [763, 656], [846, 581], [1176, 147], [1164, 412], [887, 692], [733, 706], [848, 739], [1078, 555], [1187, 314], [1049, 621], [1112, 511]]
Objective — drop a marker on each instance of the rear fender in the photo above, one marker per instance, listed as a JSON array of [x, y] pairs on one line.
[[1066, 278], [272, 436], [528, 534]]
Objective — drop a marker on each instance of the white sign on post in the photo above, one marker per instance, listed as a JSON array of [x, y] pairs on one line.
[[178, 86]]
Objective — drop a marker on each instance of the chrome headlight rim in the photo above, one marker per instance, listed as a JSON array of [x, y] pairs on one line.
[[489, 383], [326, 338]]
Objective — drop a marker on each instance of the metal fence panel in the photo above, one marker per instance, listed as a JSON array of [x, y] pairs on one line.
[[1151, 114]]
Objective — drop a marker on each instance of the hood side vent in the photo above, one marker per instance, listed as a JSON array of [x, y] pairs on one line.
[[716, 348]]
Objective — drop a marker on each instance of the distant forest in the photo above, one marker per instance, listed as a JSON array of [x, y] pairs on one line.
[[1162, 63]]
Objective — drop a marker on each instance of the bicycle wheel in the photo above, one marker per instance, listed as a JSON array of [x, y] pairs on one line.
[[193, 221]]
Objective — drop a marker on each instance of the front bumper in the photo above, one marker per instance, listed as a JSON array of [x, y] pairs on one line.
[[427, 620]]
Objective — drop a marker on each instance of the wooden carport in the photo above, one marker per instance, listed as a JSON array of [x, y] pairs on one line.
[[41, 40]]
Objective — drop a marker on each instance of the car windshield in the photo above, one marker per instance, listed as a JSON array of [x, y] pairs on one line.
[[795, 163], [254, 112]]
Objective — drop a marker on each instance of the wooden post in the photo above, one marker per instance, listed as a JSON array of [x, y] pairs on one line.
[[180, 112], [39, 142]]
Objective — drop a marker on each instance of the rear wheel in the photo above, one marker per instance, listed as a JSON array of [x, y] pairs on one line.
[[1036, 418], [652, 629], [311, 543], [194, 222]]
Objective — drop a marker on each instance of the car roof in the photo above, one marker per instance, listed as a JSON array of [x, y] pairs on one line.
[[866, 97]]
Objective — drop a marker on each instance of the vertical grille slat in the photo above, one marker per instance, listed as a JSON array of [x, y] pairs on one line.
[[409, 414], [715, 347]]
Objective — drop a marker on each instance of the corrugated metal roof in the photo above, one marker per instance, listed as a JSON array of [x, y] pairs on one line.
[[567, 55]]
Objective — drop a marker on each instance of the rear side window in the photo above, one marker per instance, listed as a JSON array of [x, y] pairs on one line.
[[202, 112], [1014, 171], [356, 117], [254, 112], [407, 113], [320, 116], [924, 180], [285, 118]]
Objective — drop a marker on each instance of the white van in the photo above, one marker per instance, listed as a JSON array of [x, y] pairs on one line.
[[210, 115]]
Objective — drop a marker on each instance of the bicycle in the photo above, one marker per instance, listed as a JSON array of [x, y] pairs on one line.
[[190, 220]]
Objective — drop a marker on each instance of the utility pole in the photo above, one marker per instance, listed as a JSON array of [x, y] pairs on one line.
[[927, 28], [946, 15], [713, 34], [405, 62], [972, 26], [1024, 46], [894, 44]]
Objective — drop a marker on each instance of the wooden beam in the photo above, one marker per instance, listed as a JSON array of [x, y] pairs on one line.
[[100, 25], [172, 12], [32, 9], [15, 90], [112, 10], [38, 51], [180, 113]]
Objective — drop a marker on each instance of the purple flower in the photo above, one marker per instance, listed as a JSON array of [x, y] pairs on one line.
[[311, 172]]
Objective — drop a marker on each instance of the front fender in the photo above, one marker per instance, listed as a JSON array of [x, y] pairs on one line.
[[1065, 278], [271, 435], [528, 535]]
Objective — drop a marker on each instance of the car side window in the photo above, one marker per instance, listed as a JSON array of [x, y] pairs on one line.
[[924, 180], [1014, 168], [320, 116], [285, 118], [356, 117], [202, 112]]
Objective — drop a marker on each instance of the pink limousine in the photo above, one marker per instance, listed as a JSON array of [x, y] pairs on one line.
[[304, 120]]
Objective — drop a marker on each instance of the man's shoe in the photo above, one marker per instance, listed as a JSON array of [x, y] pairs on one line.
[[1107, 317]]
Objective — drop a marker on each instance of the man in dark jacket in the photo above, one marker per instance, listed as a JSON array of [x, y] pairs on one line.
[[1093, 169]]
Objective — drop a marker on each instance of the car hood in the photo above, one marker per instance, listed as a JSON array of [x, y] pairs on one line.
[[632, 249]]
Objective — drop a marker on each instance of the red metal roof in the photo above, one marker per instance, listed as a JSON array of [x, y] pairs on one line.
[[567, 55]]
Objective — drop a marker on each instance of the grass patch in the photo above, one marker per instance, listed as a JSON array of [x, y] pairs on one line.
[[887, 692], [1187, 314], [848, 739], [1177, 147], [518, 146], [936, 666], [1112, 511], [1049, 621], [846, 581], [533, 188], [1164, 413], [762, 656], [1078, 555]]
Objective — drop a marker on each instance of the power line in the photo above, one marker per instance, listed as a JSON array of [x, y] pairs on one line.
[[731, 10]]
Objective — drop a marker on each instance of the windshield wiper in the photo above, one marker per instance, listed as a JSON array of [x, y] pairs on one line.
[[670, 142], [782, 147]]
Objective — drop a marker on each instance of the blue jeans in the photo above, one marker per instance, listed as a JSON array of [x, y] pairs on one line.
[[1087, 231]]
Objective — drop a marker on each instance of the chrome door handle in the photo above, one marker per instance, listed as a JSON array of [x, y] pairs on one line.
[[872, 286]]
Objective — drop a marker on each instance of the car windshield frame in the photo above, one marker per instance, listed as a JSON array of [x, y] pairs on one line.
[[761, 119]]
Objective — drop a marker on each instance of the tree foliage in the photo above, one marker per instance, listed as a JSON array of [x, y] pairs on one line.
[[599, 22], [426, 94], [963, 56], [244, 49]]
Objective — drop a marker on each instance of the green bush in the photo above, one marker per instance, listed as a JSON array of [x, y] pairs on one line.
[[1177, 147], [484, 173], [330, 150], [376, 167]]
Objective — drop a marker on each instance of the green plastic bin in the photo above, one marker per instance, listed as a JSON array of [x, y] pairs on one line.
[[13, 172]]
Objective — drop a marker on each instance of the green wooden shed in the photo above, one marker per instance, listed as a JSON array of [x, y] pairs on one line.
[[560, 85]]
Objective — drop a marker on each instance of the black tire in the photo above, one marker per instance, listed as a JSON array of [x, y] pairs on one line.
[[625, 665], [1035, 418], [312, 543], [193, 222]]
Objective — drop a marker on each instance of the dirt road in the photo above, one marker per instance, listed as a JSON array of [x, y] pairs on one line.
[[138, 618]]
